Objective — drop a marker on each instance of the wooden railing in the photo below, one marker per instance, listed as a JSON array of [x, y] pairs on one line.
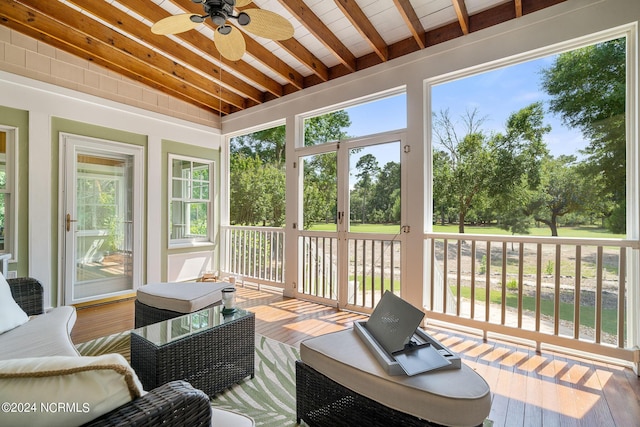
[[255, 254], [562, 291], [568, 292], [373, 267]]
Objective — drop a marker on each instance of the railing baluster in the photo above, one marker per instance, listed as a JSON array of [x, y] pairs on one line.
[[503, 300], [458, 273], [622, 286], [373, 272], [487, 289], [556, 297], [432, 274], [599, 269], [393, 265], [472, 308], [538, 284], [520, 281], [576, 296], [445, 269]]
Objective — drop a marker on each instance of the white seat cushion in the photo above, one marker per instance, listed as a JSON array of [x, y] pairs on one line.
[[458, 397], [181, 297], [43, 335]]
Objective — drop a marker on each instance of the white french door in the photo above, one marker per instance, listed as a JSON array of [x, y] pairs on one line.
[[350, 243], [101, 218]]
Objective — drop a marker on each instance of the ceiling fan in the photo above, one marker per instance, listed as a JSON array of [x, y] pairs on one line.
[[228, 39]]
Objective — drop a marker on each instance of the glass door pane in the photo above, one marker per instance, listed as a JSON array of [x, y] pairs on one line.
[[374, 239], [320, 192], [103, 250]]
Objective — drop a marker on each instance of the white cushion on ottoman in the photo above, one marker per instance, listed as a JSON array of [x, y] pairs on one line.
[[181, 297], [457, 397]]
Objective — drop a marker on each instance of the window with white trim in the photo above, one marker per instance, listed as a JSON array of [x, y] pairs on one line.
[[190, 202]]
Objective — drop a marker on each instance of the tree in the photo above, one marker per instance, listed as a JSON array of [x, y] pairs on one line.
[[487, 172], [385, 196], [326, 128], [268, 145], [367, 167], [469, 159], [443, 196], [563, 190], [320, 171], [257, 181], [588, 90]]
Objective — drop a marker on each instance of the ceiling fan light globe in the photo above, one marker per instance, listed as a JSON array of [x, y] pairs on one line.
[[243, 18], [197, 18], [224, 29], [218, 18]]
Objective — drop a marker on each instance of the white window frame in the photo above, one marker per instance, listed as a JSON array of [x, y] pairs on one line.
[[195, 240], [11, 214]]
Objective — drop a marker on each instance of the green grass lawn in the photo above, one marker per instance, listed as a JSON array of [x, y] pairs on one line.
[[587, 314]]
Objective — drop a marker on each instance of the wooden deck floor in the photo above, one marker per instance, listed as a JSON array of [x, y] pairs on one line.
[[529, 388]]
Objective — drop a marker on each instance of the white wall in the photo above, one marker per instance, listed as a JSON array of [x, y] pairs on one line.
[[44, 101]]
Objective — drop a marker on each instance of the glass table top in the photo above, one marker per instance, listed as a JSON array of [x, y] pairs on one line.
[[171, 330]]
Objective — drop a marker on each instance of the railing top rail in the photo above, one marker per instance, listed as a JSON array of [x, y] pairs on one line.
[[537, 239], [351, 235], [250, 227]]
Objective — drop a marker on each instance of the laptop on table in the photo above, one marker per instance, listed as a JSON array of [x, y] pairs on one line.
[[393, 324]]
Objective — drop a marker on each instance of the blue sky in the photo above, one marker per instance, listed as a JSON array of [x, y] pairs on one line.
[[495, 94]]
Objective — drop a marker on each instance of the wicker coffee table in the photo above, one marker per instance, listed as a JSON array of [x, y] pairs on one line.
[[210, 350]]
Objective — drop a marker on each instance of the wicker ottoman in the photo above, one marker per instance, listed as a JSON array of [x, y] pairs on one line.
[[340, 383], [162, 301]]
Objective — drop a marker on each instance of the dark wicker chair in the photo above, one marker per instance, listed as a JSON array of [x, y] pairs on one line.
[[176, 403]]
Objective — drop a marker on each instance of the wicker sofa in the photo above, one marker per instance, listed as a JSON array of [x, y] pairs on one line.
[[173, 404]]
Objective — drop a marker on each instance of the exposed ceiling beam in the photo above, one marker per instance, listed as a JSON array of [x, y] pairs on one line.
[[131, 26], [361, 23], [462, 14], [254, 48], [77, 40], [518, 6], [316, 27], [408, 13]]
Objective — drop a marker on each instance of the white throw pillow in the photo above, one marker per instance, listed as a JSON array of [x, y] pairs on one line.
[[64, 390], [11, 315]]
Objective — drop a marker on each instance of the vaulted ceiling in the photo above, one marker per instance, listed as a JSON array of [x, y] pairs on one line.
[[332, 38]]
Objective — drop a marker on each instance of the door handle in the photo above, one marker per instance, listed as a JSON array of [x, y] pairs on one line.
[[69, 221]]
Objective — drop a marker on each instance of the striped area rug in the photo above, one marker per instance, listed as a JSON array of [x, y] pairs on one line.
[[269, 398]]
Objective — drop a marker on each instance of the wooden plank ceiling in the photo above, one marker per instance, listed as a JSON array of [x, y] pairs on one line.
[[332, 38]]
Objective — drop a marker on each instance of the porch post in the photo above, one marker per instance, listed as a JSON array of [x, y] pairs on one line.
[[416, 204], [292, 211]]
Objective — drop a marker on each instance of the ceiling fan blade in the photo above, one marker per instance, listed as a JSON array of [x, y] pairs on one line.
[[242, 3], [267, 24], [174, 24], [232, 45]]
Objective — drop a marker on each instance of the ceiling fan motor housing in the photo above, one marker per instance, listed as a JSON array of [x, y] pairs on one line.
[[221, 10]]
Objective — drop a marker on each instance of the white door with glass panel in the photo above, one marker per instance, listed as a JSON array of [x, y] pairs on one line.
[[101, 218]]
